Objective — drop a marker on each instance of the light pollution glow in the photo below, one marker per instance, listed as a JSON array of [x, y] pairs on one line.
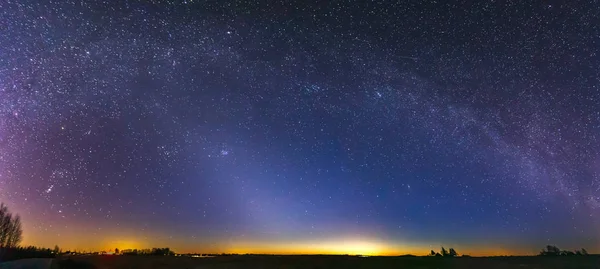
[[79, 240], [84, 236]]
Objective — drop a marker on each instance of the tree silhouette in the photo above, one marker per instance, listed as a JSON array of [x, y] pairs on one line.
[[550, 251], [5, 219], [567, 253], [11, 233], [148, 252], [116, 251], [56, 249], [161, 252], [444, 252], [452, 252]]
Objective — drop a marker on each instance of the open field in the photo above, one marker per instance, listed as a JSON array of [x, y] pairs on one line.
[[323, 262]]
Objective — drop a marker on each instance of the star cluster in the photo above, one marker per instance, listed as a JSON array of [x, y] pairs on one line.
[[242, 125]]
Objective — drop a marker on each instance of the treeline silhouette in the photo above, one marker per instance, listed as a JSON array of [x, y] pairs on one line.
[[552, 250], [148, 252], [17, 253]]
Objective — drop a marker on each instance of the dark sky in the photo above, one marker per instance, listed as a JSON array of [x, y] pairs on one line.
[[302, 126]]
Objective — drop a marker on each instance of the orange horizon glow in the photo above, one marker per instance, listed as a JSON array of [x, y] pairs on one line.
[[339, 246], [362, 248], [83, 237]]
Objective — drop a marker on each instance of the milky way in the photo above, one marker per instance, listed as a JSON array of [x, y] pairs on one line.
[[234, 125]]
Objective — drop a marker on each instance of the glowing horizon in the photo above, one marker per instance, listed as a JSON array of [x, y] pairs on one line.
[[336, 246]]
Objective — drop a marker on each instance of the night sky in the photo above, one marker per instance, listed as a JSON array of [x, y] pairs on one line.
[[375, 127]]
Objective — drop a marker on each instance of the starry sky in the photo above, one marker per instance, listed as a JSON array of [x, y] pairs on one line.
[[375, 127]]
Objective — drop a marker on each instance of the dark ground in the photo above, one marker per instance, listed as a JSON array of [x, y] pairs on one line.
[[38, 263], [313, 262]]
